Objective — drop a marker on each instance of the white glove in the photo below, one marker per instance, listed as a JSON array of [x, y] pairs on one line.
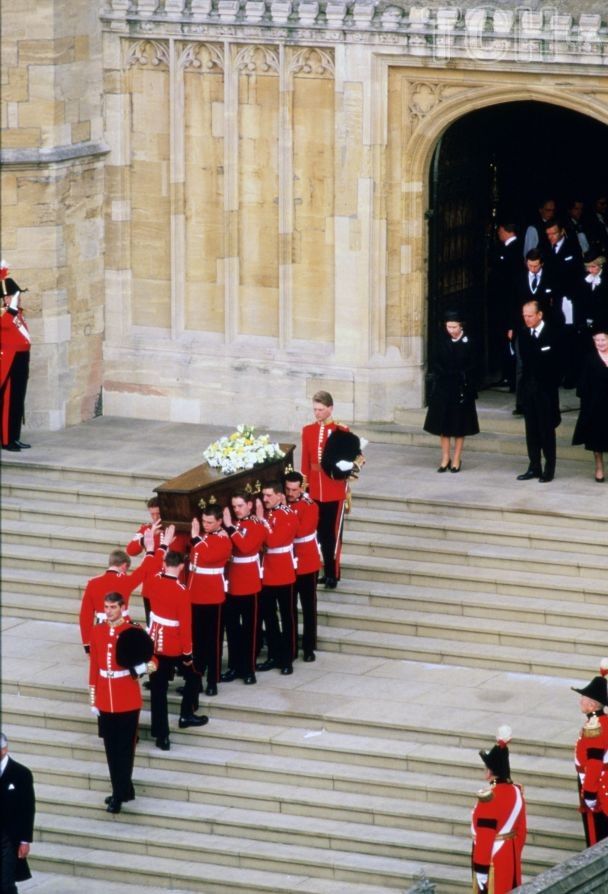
[[14, 302], [94, 710], [482, 879], [140, 669], [591, 804]]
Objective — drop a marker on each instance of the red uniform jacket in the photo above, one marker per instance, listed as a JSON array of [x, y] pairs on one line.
[[320, 486], [14, 337], [248, 537], [499, 835], [208, 558], [91, 607], [170, 616], [115, 688], [279, 561], [135, 546], [591, 759], [308, 556]]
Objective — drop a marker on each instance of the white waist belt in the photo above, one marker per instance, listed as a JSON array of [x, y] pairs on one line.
[[274, 550], [112, 675], [244, 560], [306, 539], [207, 570], [101, 616], [165, 622]]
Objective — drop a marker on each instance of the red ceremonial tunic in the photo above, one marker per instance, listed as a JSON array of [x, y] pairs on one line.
[[208, 558], [320, 486], [91, 607], [248, 537], [306, 546], [591, 760], [135, 546], [499, 834], [14, 337], [279, 560], [115, 688], [170, 616]]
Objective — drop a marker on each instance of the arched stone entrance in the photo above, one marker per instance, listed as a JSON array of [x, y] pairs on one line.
[[422, 106]]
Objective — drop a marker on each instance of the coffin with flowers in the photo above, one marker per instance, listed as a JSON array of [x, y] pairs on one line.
[[242, 461]]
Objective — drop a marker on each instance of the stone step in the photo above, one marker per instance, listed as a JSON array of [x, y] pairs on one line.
[[61, 883], [298, 859], [476, 553], [378, 523], [54, 535], [85, 563], [84, 516], [72, 476], [382, 840], [110, 494], [499, 420]]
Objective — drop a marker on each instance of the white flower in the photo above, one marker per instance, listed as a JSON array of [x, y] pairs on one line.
[[241, 451]]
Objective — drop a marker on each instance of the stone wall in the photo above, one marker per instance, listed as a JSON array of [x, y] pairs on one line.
[[52, 199]]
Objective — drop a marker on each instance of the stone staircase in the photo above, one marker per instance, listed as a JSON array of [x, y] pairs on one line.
[[359, 772]]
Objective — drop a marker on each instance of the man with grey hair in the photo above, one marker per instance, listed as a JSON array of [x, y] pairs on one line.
[[18, 807]]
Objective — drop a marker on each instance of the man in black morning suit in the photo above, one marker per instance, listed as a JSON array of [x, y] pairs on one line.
[[539, 352], [17, 817]]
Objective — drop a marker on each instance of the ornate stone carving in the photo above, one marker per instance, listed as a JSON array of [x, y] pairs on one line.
[[204, 56], [311, 61], [257, 60], [424, 96], [148, 52]]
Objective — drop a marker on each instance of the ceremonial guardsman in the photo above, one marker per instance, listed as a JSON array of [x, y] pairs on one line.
[[15, 344], [591, 757], [498, 824], [115, 579], [308, 560], [136, 545], [207, 586], [115, 696], [247, 534], [328, 493], [171, 632], [279, 576]]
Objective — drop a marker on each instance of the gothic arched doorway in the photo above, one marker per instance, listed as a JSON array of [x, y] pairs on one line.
[[501, 160]]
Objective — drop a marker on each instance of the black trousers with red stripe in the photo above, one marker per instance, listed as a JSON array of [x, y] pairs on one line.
[[207, 634], [119, 733], [329, 535], [306, 589], [241, 621], [281, 640]]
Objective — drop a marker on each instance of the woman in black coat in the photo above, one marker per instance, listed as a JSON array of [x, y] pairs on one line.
[[592, 424], [452, 412]]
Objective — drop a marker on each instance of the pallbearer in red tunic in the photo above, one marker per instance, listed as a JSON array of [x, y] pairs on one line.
[[115, 697], [247, 533], [498, 824], [181, 544], [115, 579], [279, 577], [591, 757], [207, 587], [329, 494], [308, 560], [171, 632]]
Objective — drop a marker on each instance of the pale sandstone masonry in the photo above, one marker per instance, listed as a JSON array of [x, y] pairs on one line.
[[263, 196]]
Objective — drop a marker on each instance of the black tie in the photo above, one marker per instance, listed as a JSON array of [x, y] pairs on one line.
[[534, 283]]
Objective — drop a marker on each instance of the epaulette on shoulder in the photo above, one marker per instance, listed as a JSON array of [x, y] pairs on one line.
[[283, 508], [485, 794]]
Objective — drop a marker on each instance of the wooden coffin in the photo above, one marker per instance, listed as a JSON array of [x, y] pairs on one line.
[[184, 497]]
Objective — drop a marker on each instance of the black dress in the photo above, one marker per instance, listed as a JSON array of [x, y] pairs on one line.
[[452, 409], [592, 424]]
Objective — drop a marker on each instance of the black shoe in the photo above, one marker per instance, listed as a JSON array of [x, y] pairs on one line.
[[309, 656], [211, 690], [446, 467], [193, 720], [331, 583], [517, 412], [163, 743], [146, 685], [287, 671], [180, 690], [113, 805], [528, 475], [267, 665], [546, 476], [13, 447], [600, 480], [229, 675], [456, 468], [249, 680], [23, 446], [321, 580]]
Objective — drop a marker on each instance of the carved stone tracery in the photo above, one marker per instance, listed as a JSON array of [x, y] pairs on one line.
[[148, 52], [311, 61]]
